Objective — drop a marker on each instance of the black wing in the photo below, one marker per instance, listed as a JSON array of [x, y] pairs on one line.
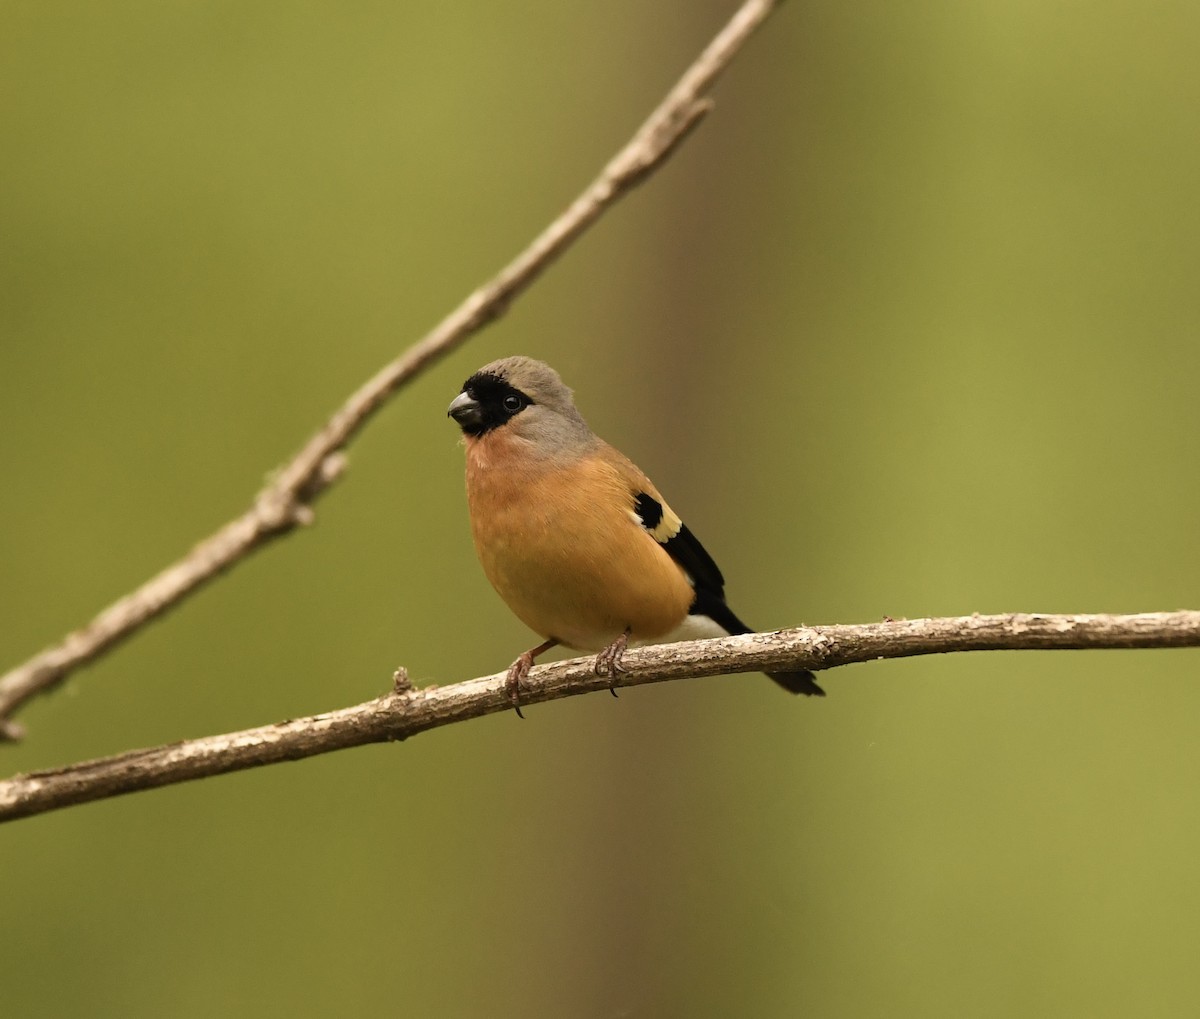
[[709, 586], [681, 545]]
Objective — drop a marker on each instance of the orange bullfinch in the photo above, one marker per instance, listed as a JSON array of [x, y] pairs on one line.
[[573, 536]]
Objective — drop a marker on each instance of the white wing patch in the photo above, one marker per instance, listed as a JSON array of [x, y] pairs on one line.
[[656, 517]]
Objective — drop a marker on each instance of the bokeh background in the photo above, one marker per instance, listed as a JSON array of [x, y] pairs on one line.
[[908, 327]]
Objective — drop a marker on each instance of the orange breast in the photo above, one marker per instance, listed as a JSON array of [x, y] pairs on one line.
[[561, 546]]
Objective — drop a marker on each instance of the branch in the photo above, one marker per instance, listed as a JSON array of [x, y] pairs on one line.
[[406, 712], [286, 502]]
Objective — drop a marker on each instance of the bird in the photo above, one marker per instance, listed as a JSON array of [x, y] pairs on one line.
[[573, 536]]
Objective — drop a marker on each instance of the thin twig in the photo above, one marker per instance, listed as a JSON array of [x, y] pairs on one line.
[[286, 502], [406, 712]]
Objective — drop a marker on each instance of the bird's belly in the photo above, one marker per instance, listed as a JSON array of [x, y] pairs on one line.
[[581, 576]]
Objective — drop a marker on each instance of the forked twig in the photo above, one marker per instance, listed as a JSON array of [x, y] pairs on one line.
[[287, 500]]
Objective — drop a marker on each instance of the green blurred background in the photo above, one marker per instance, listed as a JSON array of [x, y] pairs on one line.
[[908, 327]]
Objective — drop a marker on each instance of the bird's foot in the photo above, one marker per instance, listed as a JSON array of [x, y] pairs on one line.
[[512, 681], [519, 670], [608, 661]]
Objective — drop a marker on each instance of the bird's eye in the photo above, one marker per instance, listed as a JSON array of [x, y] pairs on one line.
[[513, 403]]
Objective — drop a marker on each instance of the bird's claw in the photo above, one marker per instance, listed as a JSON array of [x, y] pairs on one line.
[[512, 681], [608, 661]]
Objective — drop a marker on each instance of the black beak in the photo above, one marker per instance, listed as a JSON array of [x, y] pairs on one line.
[[466, 411]]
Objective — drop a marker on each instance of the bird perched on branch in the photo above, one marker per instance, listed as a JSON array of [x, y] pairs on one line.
[[573, 536]]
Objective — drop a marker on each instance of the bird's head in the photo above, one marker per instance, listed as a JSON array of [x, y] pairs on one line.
[[524, 397]]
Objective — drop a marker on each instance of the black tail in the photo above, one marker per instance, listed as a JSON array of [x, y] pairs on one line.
[[707, 604], [798, 682]]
